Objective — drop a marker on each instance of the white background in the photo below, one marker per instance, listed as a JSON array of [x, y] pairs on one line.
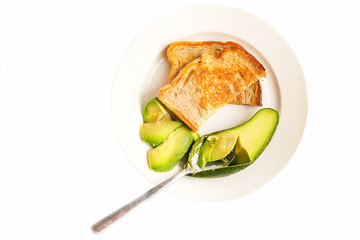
[[62, 168]]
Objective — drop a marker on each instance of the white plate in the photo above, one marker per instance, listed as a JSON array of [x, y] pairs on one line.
[[144, 69]]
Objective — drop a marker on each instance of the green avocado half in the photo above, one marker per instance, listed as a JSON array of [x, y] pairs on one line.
[[247, 141]]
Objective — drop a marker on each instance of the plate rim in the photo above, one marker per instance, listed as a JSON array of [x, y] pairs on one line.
[[210, 7]]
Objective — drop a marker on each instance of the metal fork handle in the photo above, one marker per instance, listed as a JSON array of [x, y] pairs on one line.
[[106, 221]]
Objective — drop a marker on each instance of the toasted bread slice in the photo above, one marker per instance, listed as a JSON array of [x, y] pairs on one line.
[[208, 83], [181, 53]]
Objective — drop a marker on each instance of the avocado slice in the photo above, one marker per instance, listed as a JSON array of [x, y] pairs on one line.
[[238, 158], [155, 133], [247, 140], [195, 135], [221, 147], [216, 147], [164, 157], [162, 133], [155, 111]]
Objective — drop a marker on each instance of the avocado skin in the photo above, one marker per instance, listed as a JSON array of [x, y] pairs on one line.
[[166, 156], [221, 172], [251, 139]]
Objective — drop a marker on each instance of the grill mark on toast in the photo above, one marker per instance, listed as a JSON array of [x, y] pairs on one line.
[[203, 86], [177, 62]]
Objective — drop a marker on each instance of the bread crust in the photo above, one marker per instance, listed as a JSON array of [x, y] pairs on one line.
[[182, 52]]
